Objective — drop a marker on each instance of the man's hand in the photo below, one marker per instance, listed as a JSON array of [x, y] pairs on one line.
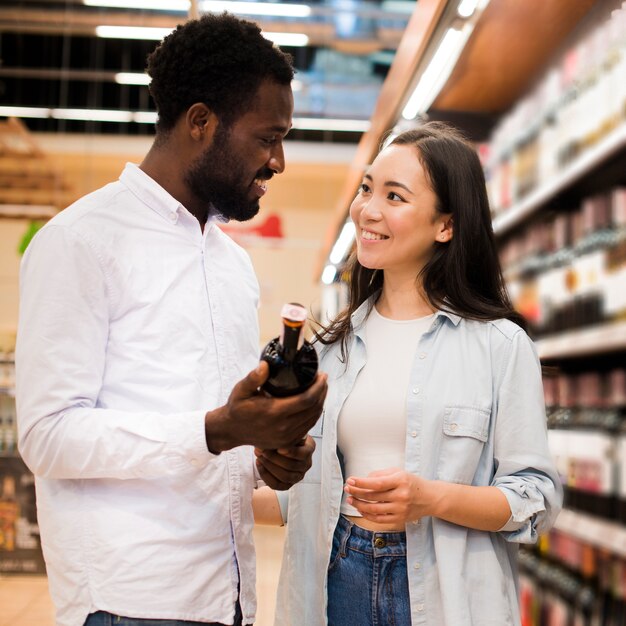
[[283, 468], [252, 417]]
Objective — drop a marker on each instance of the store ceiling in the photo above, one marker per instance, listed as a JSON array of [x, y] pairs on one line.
[[51, 58]]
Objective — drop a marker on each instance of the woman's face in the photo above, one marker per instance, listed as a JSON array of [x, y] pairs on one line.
[[394, 214]]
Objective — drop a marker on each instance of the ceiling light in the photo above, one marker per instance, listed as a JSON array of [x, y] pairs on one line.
[[343, 244], [278, 9], [37, 112], [145, 117], [132, 78], [436, 74], [132, 32], [92, 115], [321, 123], [156, 5], [328, 275], [150, 117], [297, 40], [467, 7]]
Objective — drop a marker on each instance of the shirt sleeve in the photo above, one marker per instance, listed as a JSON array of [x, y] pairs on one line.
[[525, 471], [65, 307]]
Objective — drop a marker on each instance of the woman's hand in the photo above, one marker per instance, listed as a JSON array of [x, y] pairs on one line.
[[395, 496], [392, 496]]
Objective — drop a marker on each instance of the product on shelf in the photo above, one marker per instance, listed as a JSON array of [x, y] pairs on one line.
[[568, 270]]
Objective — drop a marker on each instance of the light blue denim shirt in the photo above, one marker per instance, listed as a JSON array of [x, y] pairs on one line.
[[475, 416]]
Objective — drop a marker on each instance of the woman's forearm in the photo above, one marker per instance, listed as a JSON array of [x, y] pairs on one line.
[[266, 508], [481, 508]]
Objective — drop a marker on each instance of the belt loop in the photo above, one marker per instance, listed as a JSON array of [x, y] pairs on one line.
[[344, 540]]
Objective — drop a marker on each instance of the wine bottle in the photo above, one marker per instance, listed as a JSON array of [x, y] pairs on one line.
[[292, 359]]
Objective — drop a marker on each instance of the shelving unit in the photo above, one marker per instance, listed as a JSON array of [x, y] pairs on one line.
[[537, 199], [609, 536], [600, 339]]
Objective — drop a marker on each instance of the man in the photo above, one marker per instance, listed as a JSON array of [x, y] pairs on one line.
[[138, 375]]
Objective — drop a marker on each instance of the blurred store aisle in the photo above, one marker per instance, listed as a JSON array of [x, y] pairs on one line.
[[25, 600]]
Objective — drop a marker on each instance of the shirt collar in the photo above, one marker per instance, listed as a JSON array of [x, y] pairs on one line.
[[358, 317], [148, 191]]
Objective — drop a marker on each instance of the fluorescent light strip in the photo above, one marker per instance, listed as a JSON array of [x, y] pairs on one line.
[[156, 34], [467, 7], [343, 244], [278, 9], [150, 117], [320, 123], [437, 72], [92, 115], [296, 40], [214, 6], [132, 32], [328, 275], [36, 112], [156, 5], [132, 78]]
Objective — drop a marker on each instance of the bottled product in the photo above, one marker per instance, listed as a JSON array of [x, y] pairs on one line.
[[292, 359], [9, 513]]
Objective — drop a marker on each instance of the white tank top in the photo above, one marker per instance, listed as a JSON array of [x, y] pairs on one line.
[[371, 431]]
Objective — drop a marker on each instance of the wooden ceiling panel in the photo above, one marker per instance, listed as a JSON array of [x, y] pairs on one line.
[[511, 43]]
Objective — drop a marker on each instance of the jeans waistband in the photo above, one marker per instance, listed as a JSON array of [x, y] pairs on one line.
[[379, 543]]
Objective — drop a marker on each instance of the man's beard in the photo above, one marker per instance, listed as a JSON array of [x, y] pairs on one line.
[[217, 178]]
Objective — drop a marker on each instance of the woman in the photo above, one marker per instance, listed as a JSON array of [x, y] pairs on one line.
[[432, 460]]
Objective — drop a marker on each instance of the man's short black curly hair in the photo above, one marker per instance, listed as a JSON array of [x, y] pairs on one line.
[[220, 60]]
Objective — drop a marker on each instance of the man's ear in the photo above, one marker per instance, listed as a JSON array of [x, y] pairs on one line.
[[446, 230], [201, 122]]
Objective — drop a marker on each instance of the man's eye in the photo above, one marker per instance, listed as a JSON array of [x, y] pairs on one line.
[[269, 140]]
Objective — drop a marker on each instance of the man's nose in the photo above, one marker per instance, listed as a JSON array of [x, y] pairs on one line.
[[277, 159]]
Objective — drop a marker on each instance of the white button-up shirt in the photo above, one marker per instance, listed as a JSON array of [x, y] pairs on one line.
[[134, 323], [475, 404]]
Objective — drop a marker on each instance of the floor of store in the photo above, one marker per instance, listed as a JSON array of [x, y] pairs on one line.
[[25, 600]]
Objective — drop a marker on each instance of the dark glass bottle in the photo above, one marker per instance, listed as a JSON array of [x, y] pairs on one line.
[[292, 359]]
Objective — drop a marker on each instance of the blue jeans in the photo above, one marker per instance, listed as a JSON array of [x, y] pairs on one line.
[[367, 578], [101, 618]]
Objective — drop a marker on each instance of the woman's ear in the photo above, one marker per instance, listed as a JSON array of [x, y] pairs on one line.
[[446, 229], [201, 122]]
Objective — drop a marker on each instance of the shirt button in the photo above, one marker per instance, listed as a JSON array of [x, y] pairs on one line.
[[423, 355], [413, 433], [416, 566], [453, 427], [416, 390], [416, 522], [172, 217], [194, 462], [419, 607]]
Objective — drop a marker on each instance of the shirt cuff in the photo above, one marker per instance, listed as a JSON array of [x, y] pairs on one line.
[[188, 441]]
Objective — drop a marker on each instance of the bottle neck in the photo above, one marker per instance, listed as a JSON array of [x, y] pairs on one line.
[[291, 339]]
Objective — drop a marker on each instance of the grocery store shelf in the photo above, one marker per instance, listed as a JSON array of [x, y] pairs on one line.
[[590, 340], [596, 531], [590, 159]]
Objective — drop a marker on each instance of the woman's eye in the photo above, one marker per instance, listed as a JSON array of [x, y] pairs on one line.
[[364, 188], [395, 197]]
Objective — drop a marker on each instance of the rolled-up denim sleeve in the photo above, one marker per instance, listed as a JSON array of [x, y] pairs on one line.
[[525, 471]]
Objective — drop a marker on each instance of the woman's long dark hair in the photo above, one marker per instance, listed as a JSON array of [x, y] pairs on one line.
[[464, 275]]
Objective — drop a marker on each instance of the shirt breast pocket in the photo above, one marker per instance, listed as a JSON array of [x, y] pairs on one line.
[[314, 475], [465, 431]]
